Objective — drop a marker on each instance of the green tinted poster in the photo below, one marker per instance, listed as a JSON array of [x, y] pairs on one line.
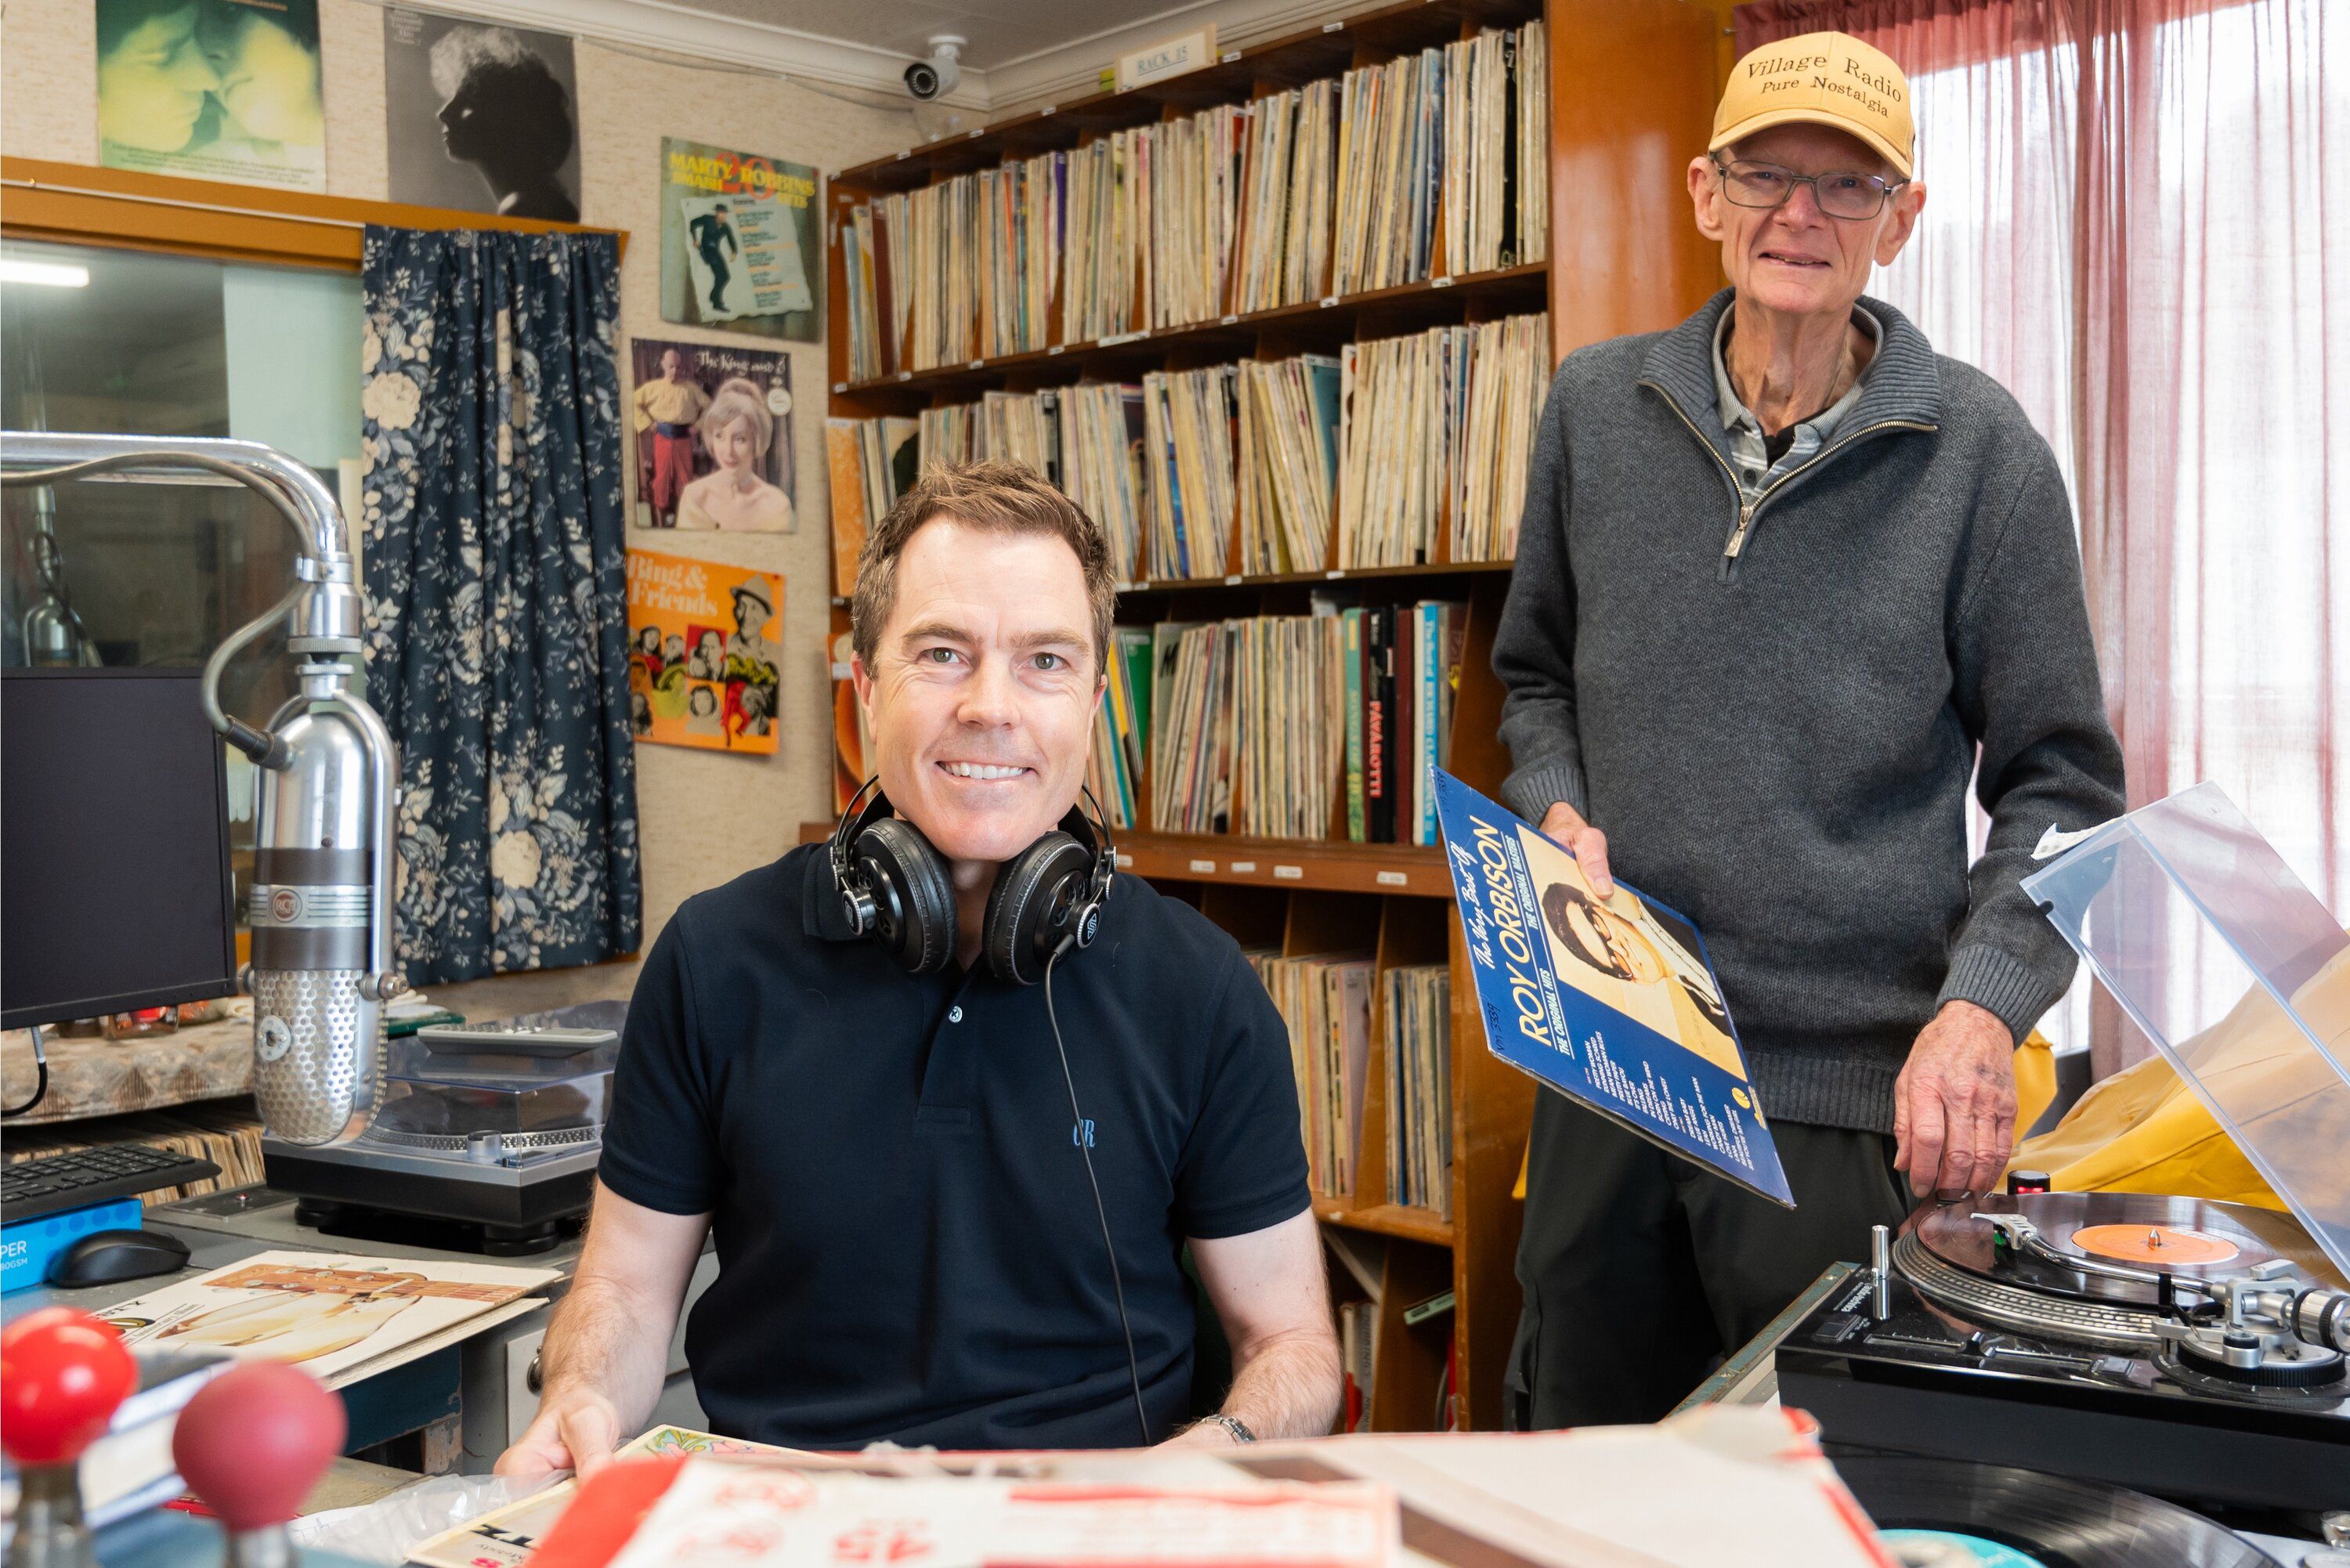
[[213, 89]]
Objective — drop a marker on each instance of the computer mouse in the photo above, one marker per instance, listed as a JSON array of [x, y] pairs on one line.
[[108, 1257]]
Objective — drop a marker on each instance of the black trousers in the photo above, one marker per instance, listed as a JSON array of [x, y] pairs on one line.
[[1642, 1269]]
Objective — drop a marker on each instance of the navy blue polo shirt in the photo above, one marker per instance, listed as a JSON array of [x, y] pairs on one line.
[[907, 1247]]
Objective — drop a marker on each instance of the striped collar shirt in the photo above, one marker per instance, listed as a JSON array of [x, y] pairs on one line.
[[1750, 455]]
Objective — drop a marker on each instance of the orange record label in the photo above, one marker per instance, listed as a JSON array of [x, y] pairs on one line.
[[2157, 1244]]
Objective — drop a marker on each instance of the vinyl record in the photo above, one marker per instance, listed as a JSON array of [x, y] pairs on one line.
[[2190, 1238], [1947, 1513]]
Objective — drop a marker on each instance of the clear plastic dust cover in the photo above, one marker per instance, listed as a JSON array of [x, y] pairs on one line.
[[2236, 972]]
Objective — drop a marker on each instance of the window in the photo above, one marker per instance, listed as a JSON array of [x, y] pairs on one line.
[[159, 573]]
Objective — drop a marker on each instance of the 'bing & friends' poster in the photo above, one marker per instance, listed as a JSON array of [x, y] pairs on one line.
[[704, 642]]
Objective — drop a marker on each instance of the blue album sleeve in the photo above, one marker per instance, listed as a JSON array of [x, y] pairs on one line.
[[1611, 1001]]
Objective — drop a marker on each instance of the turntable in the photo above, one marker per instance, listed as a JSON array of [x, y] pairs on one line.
[[486, 1141], [2189, 1349]]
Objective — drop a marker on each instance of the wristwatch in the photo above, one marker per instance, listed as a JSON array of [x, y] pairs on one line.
[[1232, 1423]]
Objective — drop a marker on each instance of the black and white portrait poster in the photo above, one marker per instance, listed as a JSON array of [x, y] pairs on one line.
[[480, 117], [213, 89], [713, 437]]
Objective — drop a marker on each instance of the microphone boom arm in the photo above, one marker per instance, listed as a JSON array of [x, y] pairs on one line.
[[301, 913]]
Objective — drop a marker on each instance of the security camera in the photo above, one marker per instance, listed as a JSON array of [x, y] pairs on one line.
[[936, 75]]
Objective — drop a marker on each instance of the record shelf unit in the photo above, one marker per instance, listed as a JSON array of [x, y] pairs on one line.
[[1631, 89]]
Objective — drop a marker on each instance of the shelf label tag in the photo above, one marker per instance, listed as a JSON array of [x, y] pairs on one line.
[[1168, 58], [1289, 873], [1242, 867], [1329, 300], [978, 365], [1334, 26], [905, 375], [1233, 581], [1394, 879], [1206, 867], [1124, 858], [1444, 282], [839, 387], [1335, 573], [1230, 321]]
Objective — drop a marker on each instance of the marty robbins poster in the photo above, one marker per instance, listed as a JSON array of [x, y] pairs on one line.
[[713, 427], [738, 242], [479, 118], [213, 89]]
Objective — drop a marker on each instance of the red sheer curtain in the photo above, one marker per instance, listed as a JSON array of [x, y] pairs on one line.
[[2130, 206]]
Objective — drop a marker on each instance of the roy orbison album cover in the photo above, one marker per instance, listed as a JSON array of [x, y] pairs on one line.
[[1610, 1001]]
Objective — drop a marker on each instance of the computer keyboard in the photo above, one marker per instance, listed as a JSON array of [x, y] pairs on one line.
[[50, 1183]]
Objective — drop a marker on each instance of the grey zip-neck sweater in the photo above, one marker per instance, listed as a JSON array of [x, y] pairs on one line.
[[1773, 708]]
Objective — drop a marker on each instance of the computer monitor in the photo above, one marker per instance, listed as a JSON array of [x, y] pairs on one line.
[[115, 892]]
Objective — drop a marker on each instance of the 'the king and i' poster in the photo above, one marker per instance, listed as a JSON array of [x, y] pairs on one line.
[[738, 242], [704, 645]]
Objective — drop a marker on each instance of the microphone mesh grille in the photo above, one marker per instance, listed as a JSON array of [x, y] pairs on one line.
[[312, 1094]]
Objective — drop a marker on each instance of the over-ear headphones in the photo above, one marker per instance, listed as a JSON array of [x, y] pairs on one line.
[[894, 888]]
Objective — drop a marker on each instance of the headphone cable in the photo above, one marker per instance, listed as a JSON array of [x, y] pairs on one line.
[[1084, 1147]]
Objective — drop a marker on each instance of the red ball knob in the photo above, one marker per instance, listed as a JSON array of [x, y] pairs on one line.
[[62, 1373], [255, 1440]]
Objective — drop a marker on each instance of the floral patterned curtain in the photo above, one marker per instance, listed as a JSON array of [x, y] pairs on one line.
[[496, 587]]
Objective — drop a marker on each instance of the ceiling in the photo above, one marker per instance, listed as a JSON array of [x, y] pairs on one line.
[[1001, 31]]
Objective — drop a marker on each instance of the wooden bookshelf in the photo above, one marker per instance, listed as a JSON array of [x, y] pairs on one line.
[[1316, 327], [1632, 86]]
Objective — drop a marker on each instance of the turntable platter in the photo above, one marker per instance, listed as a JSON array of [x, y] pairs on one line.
[[2183, 1236], [2156, 1246]]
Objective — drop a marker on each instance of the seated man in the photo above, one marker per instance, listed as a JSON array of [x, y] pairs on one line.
[[910, 1242]]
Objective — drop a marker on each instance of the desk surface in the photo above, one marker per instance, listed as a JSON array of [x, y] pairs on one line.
[[229, 1226]]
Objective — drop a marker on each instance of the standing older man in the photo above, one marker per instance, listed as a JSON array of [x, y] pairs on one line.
[[1787, 578]]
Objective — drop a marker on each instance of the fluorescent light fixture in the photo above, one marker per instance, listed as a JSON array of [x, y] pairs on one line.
[[50, 275]]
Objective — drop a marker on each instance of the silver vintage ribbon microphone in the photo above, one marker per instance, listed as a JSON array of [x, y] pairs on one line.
[[325, 784]]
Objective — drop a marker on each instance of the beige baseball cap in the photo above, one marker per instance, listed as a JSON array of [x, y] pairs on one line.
[[1825, 78]]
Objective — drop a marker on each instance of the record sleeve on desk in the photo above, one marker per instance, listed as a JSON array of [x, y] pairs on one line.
[[1612, 1002]]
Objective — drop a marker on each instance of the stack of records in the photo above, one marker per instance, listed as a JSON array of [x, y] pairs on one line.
[[1326, 1000], [1401, 665], [1434, 437], [1019, 242], [1122, 728], [1023, 427], [1103, 469], [1289, 724], [1100, 268], [1191, 727], [1190, 208], [1288, 462], [871, 463], [1496, 185], [949, 436], [1419, 1046], [1286, 198], [1188, 419]]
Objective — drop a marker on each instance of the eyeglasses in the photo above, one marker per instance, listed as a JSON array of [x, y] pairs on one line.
[[1838, 194]]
